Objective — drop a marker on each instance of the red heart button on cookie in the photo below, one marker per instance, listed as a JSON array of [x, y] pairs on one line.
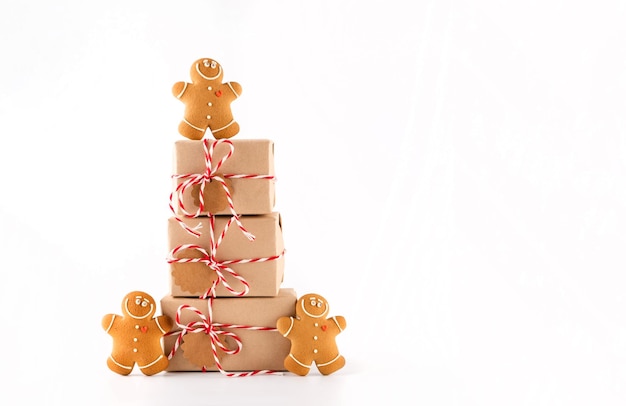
[[144, 329], [324, 327], [218, 93]]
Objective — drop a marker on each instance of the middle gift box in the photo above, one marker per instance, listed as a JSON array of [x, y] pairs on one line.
[[223, 262]]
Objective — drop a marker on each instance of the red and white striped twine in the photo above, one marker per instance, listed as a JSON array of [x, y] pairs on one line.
[[220, 267], [209, 175], [215, 330]]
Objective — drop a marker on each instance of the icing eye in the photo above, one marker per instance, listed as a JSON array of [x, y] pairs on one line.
[[144, 303], [137, 301], [319, 304], [213, 64], [206, 63], [313, 303]]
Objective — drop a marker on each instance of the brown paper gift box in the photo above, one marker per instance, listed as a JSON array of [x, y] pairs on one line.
[[249, 157], [264, 278], [261, 350]]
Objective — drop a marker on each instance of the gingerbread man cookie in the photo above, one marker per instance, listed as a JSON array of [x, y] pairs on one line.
[[137, 336], [207, 102], [312, 337]]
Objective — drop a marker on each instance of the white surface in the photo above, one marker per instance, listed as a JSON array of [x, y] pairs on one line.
[[450, 176]]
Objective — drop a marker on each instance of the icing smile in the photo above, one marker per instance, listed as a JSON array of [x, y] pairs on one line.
[[136, 316], [316, 306], [219, 72]]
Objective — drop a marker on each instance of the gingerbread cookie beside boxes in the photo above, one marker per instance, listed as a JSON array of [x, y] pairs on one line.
[[137, 336], [226, 310], [312, 336]]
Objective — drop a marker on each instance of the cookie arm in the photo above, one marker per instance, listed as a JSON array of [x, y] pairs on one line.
[[107, 322], [340, 321], [164, 322], [235, 88], [284, 325], [179, 88]]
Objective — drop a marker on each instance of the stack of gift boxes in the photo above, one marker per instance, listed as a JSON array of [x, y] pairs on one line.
[[226, 259]]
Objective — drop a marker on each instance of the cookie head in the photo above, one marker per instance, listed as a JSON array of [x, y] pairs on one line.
[[138, 305], [206, 69], [312, 305]]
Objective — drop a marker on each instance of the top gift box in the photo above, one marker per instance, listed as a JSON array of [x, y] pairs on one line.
[[214, 177]]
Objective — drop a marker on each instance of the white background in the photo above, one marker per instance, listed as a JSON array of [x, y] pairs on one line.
[[450, 177]]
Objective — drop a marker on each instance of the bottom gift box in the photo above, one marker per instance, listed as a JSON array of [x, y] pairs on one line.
[[227, 334]]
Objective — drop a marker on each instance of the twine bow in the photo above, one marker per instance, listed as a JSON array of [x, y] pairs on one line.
[[214, 330], [210, 174], [220, 267]]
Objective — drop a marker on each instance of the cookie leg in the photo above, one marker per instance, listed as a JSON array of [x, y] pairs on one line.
[[190, 131], [228, 131], [327, 368], [118, 367], [295, 366], [155, 366]]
